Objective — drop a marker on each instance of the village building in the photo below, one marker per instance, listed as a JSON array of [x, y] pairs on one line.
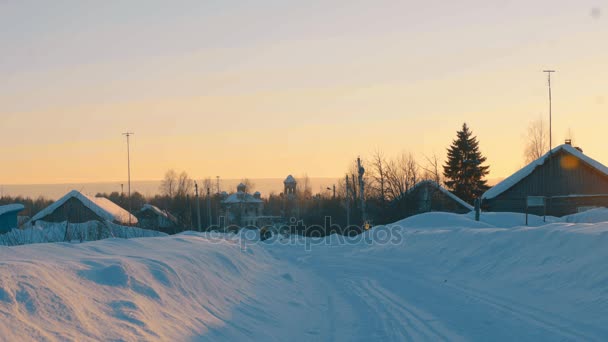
[[242, 208], [76, 207], [290, 203], [152, 217], [428, 196], [8, 216], [565, 180]]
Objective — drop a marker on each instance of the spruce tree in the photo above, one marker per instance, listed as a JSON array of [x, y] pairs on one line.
[[463, 170]]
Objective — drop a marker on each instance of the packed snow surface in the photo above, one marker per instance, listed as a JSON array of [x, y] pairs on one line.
[[407, 281]]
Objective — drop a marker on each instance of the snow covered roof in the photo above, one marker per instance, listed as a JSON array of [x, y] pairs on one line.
[[524, 172], [101, 206], [289, 180], [159, 211], [9, 208], [241, 197], [443, 190]]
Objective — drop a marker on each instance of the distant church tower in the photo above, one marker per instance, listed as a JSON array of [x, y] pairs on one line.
[[290, 205], [290, 187]]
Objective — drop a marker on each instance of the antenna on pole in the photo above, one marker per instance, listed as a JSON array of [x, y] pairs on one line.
[[550, 130], [128, 134]]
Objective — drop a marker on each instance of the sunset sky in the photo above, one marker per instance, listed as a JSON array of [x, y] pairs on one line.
[[268, 88]]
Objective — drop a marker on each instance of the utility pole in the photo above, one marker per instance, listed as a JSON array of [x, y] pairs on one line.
[[198, 207], [546, 185], [209, 206], [128, 134], [550, 130], [347, 199], [361, 171]]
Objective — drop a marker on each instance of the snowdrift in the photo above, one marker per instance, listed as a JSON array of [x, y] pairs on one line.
[[56, 232], [443, 220], [472, 283]]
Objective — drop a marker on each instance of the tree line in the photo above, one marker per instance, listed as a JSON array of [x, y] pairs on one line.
[[388, 181]]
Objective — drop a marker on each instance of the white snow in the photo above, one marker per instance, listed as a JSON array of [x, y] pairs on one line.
[[44, 232], [101, 206], [10, 208], [515, 178], [392, 283]]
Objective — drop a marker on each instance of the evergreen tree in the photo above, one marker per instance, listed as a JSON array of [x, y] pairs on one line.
[[463, 170]]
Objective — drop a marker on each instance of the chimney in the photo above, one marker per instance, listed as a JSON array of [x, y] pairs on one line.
[[568, 142]]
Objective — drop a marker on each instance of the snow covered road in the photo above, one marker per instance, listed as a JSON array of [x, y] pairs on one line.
[[530, 284]]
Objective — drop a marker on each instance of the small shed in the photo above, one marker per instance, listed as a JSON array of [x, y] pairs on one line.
[[569, 180], [429, 196], [76, 207], [8, 216], [423, 197], [152, 217]]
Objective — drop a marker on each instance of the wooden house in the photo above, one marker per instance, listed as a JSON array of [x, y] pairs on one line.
[[8, 216], [568, 180], [76, 207], [424, 197], [152, 217], [428, 196]]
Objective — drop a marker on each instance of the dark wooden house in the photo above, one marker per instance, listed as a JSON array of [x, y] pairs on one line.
[[429, 196], [76, 207], [152, 217], [8, 216], [424, 197], [568, 180]]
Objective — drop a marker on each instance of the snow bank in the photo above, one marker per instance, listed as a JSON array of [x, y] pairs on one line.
[[443, 220], [590, 216], [440, 220], [45, 232], [523, 283], [158, 289]]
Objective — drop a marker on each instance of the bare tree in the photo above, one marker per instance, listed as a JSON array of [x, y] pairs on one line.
[[431, 169], [168, 186], [184, 184], [537, 141], [304, 190], [402, 174], [378, 175]]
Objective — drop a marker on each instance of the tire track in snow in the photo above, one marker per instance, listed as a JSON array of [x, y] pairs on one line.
[[398, 318], [526, 313]]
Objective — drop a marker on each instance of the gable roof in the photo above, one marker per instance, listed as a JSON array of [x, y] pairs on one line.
[[101, 206], [443, 190], [9, 208], [159, 212], [524, 172]]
